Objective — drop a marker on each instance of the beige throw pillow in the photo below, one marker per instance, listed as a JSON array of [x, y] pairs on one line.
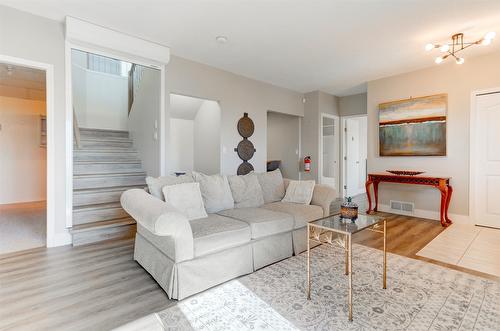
[[299, 191], [155, 185], [186, 198], [215, 192], [246, 191]]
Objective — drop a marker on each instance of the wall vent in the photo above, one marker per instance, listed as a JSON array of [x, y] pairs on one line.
[[403, 206]]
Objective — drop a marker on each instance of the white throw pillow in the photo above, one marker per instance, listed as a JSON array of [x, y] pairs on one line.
[[215, 192], [155, 185], [299, 191], [186, 198]]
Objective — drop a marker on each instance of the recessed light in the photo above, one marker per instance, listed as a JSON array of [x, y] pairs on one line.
[[221, 39]]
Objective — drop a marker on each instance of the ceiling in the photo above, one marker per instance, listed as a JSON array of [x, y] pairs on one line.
[[184, 107], [331, 45], [22, 82]]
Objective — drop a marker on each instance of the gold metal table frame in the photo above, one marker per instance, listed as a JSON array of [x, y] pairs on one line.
[[325, 235]]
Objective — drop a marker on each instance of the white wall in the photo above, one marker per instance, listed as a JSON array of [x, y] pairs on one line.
[[283, 140], [207, 140], [144, 121], [100, 99], [22, 160], [353, 104], [39, 39], [458, 81], [182, 145], [236, 95]]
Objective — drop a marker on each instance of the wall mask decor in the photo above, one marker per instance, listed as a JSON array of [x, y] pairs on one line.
[[245, 148], [413, 127]]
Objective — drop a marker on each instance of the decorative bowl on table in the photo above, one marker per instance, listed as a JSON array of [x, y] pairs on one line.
[[405, 172], [349, 209]]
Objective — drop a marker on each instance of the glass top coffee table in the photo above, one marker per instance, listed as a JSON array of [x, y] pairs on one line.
[[337, 231]]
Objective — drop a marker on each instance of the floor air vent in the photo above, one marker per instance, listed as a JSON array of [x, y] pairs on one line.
[[402, 206]]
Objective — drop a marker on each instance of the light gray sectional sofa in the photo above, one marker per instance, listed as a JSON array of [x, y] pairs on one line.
[[186, 257]]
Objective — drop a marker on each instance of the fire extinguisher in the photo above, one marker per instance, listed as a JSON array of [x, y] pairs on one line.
[[307, 164]]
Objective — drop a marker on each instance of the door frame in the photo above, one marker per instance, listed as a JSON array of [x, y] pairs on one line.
[[320, 150], [115, 54], [51, 239], [472, 149], [343, 148]]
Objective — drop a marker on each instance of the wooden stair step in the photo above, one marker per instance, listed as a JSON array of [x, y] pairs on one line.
[[120, 228], [108, 180], [97, 213], [106, 167], [100, 195], [88, 132]]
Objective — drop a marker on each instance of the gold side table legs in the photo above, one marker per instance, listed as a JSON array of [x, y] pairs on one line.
[[346, 254], [384, 285], [349, 252], [308, 264]]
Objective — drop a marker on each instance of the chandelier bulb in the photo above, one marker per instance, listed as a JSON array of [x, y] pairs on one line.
[[445, 48], [460, 60], [429, 47], [490, 35], [485, 42], [439, 59]]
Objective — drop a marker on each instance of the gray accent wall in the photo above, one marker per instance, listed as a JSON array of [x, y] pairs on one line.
[[316, 102], [353, 105], [458, 81], [236, 95], [283, 142]]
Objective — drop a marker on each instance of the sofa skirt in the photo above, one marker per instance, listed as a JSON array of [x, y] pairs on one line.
[[183, 279], [271, 249]]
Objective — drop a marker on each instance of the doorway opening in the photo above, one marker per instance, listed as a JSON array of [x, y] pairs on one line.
[[355, 144], [23, 158], [329, 145], [195, 139], [283, 144]]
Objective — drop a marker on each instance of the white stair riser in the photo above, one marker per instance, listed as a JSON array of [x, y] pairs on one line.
[[83, 199], [89, 133], [100, 182], [105, 168], [88, 237], [104, 157], [97, 215], [98, 144]]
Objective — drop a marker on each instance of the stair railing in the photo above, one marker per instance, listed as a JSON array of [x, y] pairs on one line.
[[76, 130], [131, 87]]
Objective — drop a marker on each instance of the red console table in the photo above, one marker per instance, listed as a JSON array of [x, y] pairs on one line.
[[441, 183]]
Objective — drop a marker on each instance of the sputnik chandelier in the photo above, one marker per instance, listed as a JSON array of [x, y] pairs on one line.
[[457, 45]]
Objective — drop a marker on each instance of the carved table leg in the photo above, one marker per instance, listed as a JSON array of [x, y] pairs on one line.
[[375, 193], [448, 199], [444, 198], [368, 195]]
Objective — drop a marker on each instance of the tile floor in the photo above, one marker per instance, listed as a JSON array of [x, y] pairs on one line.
[[467, 246]]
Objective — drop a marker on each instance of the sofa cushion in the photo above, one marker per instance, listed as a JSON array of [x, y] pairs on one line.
[[301, 213], [155, 184], [246, 191], [186, 198], [216, 232], [215, 192], [272, 185], [263, 222]]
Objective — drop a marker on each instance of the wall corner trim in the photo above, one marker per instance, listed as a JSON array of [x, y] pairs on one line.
[[81, 32], [59, 239]]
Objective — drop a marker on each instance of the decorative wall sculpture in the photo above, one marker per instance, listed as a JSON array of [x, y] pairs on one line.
[[245, 148], [413, 127]]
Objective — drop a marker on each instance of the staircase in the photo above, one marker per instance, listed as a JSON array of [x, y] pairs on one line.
[[104, 165]]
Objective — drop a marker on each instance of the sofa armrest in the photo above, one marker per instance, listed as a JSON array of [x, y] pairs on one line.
[[323, 196], [161, 219]]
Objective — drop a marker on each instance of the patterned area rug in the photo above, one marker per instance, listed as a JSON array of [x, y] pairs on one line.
[[419, 296]]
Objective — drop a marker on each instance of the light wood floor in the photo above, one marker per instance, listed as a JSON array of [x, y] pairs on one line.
[[99, 287]]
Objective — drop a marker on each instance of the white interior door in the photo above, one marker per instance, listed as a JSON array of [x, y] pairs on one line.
[[329, 167], [487, 161], [352, 157]]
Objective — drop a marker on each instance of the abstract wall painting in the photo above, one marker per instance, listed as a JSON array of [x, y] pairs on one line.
[[413, 127]]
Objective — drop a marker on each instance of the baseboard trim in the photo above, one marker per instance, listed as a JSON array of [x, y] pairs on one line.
[[60, 239], [427, 214]]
